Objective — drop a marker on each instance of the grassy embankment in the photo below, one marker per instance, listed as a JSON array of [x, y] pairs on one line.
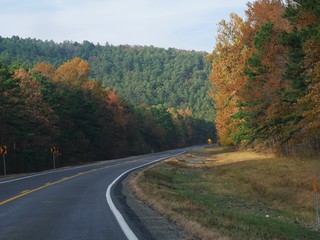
[[218, 193]]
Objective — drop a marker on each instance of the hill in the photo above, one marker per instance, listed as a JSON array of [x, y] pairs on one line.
[[143, 75], [43, 108]]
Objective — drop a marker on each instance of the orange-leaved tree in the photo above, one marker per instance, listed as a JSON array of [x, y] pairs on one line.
[[304, 17], [262, 107], [228, 61]]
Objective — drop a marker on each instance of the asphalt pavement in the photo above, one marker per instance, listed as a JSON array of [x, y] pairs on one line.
[[71, 203]]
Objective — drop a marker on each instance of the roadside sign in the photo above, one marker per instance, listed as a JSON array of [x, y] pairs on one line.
[[53, 150], [3, 150]]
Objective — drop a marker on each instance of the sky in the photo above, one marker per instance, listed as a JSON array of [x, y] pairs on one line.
[[181, 24]]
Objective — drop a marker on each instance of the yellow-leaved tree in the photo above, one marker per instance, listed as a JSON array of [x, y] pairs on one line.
[[74, 72]]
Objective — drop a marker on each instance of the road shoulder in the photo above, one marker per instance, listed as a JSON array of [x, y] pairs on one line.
[[156, 225]]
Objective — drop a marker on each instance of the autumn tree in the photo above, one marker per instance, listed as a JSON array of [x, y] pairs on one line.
[[142, 74], [262, 107], [36, 108], [265, 77], [304, 72], [227, 78], [247, 77], [27, 120], [9, 98], [45, 69], [44, 106], [74, 72]]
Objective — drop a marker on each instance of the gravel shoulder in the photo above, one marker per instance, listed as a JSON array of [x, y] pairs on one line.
[[156, 226]]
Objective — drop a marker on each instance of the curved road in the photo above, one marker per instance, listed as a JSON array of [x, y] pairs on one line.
[[68, 203]]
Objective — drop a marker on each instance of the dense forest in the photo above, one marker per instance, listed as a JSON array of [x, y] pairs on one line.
[[143, 75], [46, 105], [265, 77]]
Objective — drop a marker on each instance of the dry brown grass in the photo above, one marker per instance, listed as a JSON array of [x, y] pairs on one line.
[[185, 189], [162, 207]]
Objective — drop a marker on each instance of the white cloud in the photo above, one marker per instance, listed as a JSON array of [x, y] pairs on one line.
[[187, 24]]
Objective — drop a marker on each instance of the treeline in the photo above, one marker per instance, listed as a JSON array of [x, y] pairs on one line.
[[44, 106], [265, 77], [145, 75]]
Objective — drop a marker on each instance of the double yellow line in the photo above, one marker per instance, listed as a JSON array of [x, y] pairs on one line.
[[26, 192]]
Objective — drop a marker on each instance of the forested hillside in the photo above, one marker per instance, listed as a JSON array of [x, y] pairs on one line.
[[265, 77], [45, 106], [142, 75]]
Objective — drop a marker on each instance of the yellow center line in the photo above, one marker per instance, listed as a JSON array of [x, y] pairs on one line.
[[26, 192]]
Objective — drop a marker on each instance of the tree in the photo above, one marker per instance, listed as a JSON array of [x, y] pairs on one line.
[[227, 78], [303, 69], [74, 72], [249, 90], [262, 111], [145, 75], [46, 70], [44, 106], [8, 99]]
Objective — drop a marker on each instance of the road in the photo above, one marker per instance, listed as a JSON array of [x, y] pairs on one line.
[[68, 203]]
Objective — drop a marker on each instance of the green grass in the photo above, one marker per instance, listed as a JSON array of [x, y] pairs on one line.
[[259, 198]]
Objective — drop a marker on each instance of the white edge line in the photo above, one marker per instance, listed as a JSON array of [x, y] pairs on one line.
[[123, 224]]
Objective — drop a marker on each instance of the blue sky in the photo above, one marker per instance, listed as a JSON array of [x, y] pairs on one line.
[[182, 24]]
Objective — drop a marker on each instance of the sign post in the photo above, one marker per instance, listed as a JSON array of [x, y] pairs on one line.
[[54, 161], [4, 151], [315, 190], [4, 164], [53, 150]]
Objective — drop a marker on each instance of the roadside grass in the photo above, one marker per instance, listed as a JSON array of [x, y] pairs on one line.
[[221, 193]]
